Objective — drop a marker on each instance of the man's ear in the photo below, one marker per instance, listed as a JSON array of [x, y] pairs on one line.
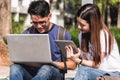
[[50, 15]]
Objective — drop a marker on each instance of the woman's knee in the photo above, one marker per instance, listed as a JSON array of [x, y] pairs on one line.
[[83, 68]]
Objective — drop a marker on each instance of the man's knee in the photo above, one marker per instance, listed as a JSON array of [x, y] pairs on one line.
[[14, 69], [48, 70]]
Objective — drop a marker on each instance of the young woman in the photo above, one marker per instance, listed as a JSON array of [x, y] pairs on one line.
[[97, 44]]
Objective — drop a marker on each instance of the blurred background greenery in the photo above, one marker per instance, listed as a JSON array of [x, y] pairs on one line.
[[73, 31], [109, 9]]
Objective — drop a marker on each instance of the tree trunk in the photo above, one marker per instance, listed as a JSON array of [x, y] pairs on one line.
[[5, 17], [108, 16], [118, 21], [103, 8]]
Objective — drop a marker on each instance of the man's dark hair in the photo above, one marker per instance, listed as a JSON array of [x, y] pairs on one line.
[[39, 7]]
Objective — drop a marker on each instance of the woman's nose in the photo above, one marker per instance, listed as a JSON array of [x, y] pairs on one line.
[[79, 27]]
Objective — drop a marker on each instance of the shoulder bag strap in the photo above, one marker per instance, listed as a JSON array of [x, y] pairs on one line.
[[61, 36]]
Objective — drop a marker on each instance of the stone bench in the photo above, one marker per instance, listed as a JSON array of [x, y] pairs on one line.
[[4, 73], [70, 74]]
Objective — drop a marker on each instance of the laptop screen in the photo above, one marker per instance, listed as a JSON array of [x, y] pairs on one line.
[[29, 47]]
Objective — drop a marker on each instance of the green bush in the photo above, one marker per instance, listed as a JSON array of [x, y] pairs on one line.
[[17, 27], [75, 32], [74, 35], [116, 32]]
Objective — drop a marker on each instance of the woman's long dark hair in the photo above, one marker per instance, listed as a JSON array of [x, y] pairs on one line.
[[91, 13]]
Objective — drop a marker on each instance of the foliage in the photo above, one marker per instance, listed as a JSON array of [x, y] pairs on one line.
[[74, 35], [113, 2], [116, 31], [72, 5], [17, 27], [100, 7]]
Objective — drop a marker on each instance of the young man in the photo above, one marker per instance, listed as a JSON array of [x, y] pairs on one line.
[[40, 20]]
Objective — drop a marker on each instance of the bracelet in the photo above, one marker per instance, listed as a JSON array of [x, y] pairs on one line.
[[81, 61]]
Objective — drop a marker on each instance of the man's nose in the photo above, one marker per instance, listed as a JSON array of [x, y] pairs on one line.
[[39, 25]]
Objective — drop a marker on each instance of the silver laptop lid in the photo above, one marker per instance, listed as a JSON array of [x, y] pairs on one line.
[[29, 48]]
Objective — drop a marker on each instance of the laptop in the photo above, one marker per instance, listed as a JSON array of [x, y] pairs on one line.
[[29, 48]]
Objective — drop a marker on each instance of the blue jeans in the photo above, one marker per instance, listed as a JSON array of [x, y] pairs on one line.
[[46, 72], [88, 73]]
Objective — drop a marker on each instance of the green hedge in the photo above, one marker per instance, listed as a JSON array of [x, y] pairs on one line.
[[75, 32], [17, 27], [116, 32]]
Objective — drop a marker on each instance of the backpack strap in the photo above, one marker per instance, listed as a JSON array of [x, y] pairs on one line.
[[31, 30], [61, 33], [61, 36]]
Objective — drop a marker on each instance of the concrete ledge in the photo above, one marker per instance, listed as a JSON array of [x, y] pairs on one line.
[[70, 74], [4, 73]]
